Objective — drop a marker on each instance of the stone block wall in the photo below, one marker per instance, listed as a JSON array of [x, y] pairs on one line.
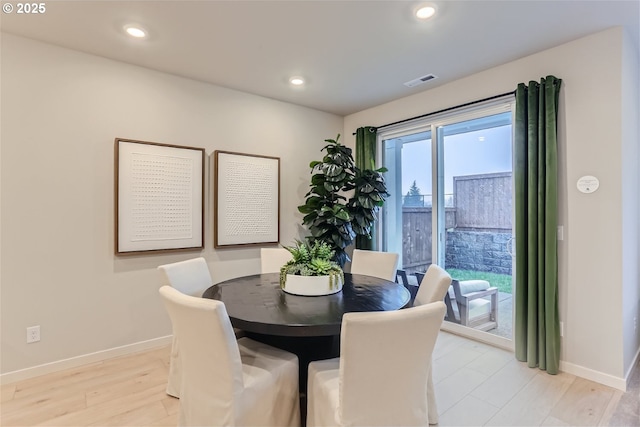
[[479, 250]]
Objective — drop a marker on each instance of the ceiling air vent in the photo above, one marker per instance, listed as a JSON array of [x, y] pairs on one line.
[[420, 80]]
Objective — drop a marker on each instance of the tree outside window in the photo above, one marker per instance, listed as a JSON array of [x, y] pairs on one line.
[[413, 197]]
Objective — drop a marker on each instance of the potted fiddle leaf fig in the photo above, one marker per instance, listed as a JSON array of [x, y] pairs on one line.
[[329, 215]]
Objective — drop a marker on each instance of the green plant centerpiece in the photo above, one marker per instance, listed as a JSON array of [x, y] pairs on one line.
[[329, 215], [311, 270]]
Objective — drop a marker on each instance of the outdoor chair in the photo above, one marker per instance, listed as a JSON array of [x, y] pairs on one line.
[[477, 303], [401, 278]]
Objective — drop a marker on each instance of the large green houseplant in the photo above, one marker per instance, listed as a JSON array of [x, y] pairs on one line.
[[329, 215]]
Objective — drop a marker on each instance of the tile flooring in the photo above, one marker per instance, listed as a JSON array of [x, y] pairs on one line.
[[477, 384]]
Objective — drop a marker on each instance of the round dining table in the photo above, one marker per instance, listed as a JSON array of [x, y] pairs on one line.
[[257, 304]]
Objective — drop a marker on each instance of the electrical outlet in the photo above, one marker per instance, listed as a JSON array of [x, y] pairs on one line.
[[562, 329], [33, 334], [635, 323]]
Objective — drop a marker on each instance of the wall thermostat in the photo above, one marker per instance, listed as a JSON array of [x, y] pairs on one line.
[[588, 184]]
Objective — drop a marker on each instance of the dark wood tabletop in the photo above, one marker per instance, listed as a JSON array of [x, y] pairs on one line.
[[257, 304]]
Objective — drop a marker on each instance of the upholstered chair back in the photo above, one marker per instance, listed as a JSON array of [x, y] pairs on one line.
[[229, 382], [190, 277], [434, 285], [384, 365], [271, 259], [210, 358], [373, 263]]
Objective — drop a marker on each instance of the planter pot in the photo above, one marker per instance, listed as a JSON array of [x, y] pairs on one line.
[[311, 285]]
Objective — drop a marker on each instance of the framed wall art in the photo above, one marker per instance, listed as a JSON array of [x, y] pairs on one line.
[[247, 199], [159, 197]]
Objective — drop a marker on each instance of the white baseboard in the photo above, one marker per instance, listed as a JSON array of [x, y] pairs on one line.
[[73, 362], [570, 368], [597, 376]]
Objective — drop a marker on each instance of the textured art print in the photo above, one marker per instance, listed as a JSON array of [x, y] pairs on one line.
[[159, 197], [247, 199]]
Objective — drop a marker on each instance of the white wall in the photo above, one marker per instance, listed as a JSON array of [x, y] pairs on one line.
[[61, 111], [630, 201], [592, 265]]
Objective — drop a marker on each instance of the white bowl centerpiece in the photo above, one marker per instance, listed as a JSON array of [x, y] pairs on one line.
[[311, 271]]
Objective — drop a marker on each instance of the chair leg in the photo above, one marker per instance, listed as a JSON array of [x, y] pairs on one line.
[[432, 406], [464, 314], [494, 308], [175, 371]]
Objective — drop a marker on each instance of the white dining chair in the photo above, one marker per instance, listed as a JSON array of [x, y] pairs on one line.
[[433, 287], [191, 277], [272, 259], [380, 378], [373, 263], [229, 382]]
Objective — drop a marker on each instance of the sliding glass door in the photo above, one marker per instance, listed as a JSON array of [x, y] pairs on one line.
[[408, 159], [451, 205]]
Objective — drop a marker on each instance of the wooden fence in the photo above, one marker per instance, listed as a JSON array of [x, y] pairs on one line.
[[482, 204], [416, 236]]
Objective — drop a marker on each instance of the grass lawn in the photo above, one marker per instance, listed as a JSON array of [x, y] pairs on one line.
[[501, 281]]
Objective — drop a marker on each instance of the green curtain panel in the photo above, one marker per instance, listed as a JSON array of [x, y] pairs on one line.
[[537, 327], [366, 159]]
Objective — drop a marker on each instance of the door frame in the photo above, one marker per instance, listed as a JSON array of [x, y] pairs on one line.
[[432, 124]]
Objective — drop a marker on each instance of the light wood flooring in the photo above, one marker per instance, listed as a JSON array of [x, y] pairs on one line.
[[476, 384]]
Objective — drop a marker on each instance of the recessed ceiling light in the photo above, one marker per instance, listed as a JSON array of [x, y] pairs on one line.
[[425, 12], [136, 32], [296, 81]]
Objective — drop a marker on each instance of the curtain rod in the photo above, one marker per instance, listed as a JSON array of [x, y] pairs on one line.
[[445, 110]]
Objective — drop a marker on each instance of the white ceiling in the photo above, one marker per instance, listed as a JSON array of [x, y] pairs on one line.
[[354, 54]]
